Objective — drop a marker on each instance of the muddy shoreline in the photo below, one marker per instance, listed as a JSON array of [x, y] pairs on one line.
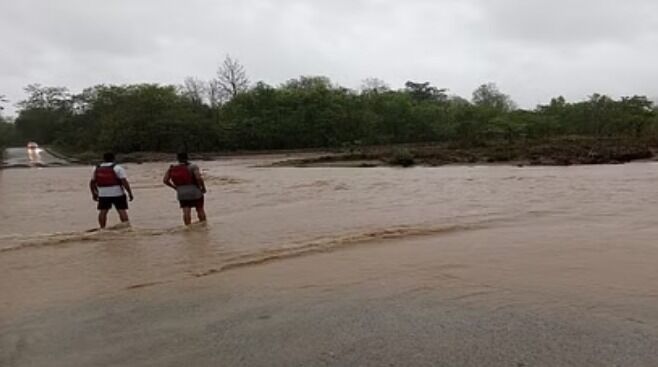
[[562, 152], [553, 152]]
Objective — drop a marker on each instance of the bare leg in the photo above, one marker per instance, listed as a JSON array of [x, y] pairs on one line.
[[123, 215], [187, 216], [102, 218], [201, 214]]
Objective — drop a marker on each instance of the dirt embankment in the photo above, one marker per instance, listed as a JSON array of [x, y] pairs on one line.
[[135, 157], [562, 152], [145, 157]]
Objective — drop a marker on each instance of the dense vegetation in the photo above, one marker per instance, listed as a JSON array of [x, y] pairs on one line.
[[8, 135], [309, 112]]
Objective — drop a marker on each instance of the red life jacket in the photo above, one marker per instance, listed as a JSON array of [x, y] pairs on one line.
[[181, 175], [105, 176]]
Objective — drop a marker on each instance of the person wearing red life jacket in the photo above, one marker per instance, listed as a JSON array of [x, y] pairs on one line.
[[185, 178], [108, 185]]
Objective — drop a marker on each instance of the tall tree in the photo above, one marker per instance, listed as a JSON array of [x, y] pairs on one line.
[[46, 97], [7, 134], [44, 113], [309, 83], [374, 85], [194, 89], [425, 91], [3, 100], [215, 93], [232, 77], [490, 97]]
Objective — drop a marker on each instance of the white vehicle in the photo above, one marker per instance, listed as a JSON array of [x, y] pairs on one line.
[[34, 154]]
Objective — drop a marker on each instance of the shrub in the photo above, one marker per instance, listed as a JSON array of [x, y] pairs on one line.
[[402, 157]]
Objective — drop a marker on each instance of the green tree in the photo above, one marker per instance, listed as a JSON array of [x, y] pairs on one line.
[[425, 92], [488, 96], [310, 112], [3, 100], [374, 85], [44, 113], [7, 129]]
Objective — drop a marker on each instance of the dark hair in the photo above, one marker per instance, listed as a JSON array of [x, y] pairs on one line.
[[108, 157], [182, 157]]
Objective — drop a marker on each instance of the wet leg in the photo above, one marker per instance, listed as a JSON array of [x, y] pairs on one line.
[[201, 214], [102, 218], [123, 215], [187, 216]]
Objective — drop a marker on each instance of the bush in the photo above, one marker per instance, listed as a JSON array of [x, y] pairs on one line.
[[402, 157]]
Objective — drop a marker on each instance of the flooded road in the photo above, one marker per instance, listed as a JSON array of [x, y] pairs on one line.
[[22, 157], [454, 265]]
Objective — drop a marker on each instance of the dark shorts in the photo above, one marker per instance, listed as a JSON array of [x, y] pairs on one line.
[[119, 202], [197, 203]]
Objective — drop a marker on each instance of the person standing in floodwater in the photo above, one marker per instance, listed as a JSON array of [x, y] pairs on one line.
[[186, 179], [108, 185]]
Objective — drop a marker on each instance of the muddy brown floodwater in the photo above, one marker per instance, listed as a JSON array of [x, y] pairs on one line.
[[452, 266]]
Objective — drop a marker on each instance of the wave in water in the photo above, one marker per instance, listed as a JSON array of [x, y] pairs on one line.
[[254, 257], [117, 232], [330, 244]]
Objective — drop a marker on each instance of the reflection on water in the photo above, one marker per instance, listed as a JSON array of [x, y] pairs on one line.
[[30, 157], [34, 155]]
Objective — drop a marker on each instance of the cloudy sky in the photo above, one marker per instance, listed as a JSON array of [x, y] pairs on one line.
[[533, 49]]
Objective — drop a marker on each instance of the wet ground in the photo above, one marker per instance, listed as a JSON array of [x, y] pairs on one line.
[[38, 157]]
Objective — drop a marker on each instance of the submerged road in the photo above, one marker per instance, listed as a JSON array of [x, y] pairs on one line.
[[452, 266], [22, 157]]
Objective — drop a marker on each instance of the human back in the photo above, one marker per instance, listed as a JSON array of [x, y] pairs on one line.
[[182, 173], [108, 176], [108, 186], [185, 178]]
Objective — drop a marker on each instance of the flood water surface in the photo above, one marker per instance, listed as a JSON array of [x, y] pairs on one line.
[[588, 230]]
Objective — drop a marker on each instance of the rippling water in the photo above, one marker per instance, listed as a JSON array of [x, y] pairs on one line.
[[600, 221], [256, 214]]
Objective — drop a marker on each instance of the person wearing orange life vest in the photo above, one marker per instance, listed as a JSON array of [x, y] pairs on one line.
[[186, 179], [108, 185]]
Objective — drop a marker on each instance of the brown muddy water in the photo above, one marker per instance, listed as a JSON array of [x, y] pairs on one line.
[[489, 265]]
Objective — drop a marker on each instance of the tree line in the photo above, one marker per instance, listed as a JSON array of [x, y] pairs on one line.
[[230, 113], [8, 135]]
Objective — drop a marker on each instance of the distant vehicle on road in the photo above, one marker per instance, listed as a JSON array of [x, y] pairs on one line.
[[34, 154]]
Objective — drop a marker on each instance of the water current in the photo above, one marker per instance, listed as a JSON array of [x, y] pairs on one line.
[[472, 265]]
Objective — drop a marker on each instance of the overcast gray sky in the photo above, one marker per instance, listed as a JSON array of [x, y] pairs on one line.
[[533, 49]]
